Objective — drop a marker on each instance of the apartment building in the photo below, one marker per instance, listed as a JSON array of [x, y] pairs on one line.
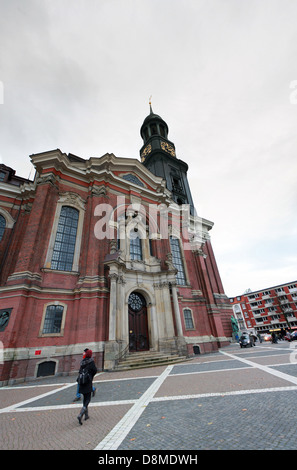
[[267, 310]]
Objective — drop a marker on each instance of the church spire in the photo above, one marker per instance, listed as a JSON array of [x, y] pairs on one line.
[[150, 103], [158, 155]]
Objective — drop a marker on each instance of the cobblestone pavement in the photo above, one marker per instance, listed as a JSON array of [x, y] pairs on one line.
[[234, 399]]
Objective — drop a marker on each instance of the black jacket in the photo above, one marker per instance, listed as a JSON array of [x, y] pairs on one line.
[[88, 363]]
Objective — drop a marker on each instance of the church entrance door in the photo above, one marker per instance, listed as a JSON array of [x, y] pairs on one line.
[[138, 326]]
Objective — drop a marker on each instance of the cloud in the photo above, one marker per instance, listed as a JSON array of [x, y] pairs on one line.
[[77, 76]]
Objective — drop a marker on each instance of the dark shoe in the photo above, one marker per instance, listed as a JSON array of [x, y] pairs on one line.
[[76, 399], [82, 412], [87, 415]]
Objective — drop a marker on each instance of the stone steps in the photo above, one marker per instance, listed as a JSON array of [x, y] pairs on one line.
[[146, 359]]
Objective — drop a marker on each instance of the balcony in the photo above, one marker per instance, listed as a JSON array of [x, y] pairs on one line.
[[257, 315], [288, 311], [255, 307], [291, 318]]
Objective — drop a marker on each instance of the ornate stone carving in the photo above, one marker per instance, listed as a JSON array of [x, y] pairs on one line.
[[199, 252], [73, 199], [4, 318], [161, 285], [98, 190], [169, 262]]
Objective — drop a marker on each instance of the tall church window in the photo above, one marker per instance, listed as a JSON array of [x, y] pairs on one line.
[[177, 261], [53, 319], [64, 247], [135, 246], [189, 324], [2, 226]]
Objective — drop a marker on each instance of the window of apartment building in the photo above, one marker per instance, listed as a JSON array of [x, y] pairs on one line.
[[189, 323], [253, 296], [259, 311], [261, 319], [255, 304], [177, 261]]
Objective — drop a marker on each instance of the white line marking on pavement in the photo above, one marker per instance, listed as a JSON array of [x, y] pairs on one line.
[[208, 371], [280, 375], [222, 394], [75, 405], [37, 397], [116, 436]]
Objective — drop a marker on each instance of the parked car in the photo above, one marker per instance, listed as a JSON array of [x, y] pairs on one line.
[[291, 336], [246, 340]]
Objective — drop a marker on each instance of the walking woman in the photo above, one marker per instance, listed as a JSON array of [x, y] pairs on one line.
[[85, 377]]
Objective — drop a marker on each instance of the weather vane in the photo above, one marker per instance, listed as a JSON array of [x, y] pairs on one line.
[[150, 103]]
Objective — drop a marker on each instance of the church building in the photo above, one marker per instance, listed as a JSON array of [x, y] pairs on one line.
[[106, 253]]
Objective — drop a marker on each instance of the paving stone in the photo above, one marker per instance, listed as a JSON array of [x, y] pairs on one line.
[[215, 402]]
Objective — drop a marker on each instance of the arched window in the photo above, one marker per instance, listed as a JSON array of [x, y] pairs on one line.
[[53, 319], [177, 261], [64, 247], [2, 226], [162, 130], [189, 324], [135, 246], [154, 129]]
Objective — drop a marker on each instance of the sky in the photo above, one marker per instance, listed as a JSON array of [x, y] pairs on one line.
[[78, 75]]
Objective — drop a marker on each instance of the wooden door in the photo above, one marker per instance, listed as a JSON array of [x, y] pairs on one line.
[[138, 326]]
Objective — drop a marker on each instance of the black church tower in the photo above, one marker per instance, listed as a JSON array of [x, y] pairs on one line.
[[158, 155]]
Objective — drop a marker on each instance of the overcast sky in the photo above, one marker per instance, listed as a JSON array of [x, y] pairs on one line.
[[77, 75]]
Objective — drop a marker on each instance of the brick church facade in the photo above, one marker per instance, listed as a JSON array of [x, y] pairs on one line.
[[106, 253]]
